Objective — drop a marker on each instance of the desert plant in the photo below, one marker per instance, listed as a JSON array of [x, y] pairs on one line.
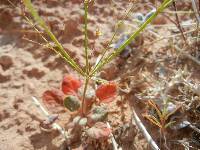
[[72, 95], [160, 117]]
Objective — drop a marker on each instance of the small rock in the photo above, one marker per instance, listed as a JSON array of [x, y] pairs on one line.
[[6, 62]]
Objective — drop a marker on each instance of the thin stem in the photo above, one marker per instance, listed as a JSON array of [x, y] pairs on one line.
[[113, 37], [84, 93], [187, 55], [197, 15], [144, 131], [35, 42], [54, 125], [115, 145], [48, 44], [128, 41], [178, 23], [87, 66], [86, 36], [194, 128], [106, 49], [61, 50]]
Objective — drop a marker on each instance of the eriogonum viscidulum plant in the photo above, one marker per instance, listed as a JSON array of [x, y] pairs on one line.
[[77, 95]]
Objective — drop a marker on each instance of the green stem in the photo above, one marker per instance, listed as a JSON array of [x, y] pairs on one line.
[[128, 41], [106, 49], [113, 36], [86, 55], [61, 50], [86, 35], [84, 93]]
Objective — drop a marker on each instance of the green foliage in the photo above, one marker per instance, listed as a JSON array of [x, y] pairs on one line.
[[131, 38], [60, 49], [72, 103], [86, 37], [87, 73], [159, 117]]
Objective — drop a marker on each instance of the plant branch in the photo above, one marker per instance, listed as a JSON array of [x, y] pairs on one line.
[[61, 50], [84, 93], [194, 6], [86, 36], [187, 55], [178, 23], [197, 15], [114, 143], [128, 41], [113, 36], [48, 44], [144, 131]]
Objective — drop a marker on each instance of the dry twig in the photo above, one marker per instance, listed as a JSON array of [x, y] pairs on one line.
[[54, 125], [187, 55], [144, 131], [114, 143], [178, 23]]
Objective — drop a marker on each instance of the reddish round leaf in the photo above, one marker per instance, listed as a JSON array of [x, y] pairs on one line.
[[70, 85], [106, 92], [53, 96]]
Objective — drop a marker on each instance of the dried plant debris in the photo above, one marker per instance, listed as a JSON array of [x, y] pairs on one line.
[[172, 104], [196, 136], [125, 133]]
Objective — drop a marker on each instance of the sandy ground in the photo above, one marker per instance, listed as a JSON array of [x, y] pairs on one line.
[[27, 69]]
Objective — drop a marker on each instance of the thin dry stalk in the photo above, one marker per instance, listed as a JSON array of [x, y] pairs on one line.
[[178, 23], [144, 131], [187, 55], [114, 143], [194, 88], [54, 125], [194, 6], [160, 38], [197, 15], [194, 128]]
